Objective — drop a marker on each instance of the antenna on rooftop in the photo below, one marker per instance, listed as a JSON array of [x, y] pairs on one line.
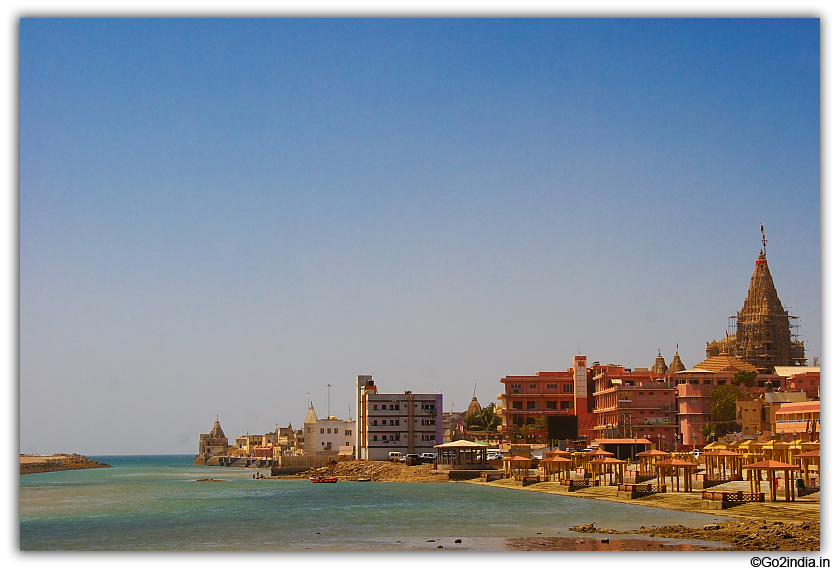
[[328, 399]]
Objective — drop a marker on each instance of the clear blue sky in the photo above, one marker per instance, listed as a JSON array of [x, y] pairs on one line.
[[219, 216]]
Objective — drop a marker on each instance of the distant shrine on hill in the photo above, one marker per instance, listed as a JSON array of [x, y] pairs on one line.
[[763, 335]]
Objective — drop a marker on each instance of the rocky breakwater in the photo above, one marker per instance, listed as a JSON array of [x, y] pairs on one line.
[[59, 462]]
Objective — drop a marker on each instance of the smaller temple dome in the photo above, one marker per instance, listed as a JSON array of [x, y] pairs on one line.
[[677, 364], [217, 429], [659, 366], [473, 408], [311, 418]]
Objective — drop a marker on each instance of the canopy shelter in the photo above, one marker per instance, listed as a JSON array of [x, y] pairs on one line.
[[516, 466], [772, 467], [648, 458], [809, 467], [810, 445], [603, 466], [557, 453], [624, 448], [718, 461], [590, 456], [461, 454], [752, 451], [675, 468], [733, 445], [553, 466], [776, 451]]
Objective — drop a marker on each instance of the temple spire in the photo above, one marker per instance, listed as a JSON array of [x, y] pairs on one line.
[[763, 239]]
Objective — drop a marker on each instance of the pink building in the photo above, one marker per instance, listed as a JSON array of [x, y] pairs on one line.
[[540, 401], [636, 404], [799, 420], [800, 379], [694, 406]]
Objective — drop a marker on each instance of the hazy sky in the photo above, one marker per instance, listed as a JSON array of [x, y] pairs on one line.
[[219, 216]]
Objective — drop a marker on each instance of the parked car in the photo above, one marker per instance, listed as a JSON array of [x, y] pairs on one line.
[[428, 457], [395, 456], [496, 456]]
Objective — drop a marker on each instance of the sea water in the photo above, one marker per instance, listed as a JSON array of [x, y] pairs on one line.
[[159, 503]]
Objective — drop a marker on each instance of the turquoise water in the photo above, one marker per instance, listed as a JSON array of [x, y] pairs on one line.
[[156, 503]]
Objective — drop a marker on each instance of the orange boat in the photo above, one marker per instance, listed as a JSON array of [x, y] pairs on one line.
[[323, 479]]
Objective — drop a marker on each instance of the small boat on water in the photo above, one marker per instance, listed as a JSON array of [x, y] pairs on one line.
[[323, 479]]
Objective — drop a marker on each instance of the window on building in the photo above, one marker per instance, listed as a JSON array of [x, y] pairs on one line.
[[516, 388], [516, 405], [651, 394], [376, 438], [396, 422], [375, 407], [568, 388], [707, 381], [376, 422], [565, 405], [551, 386], [348, 432], [530, 421], [533, 386], [532, 405], [551, 405], [322, 430]]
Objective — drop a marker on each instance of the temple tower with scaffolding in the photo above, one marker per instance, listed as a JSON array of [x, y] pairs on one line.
[[762, 333]]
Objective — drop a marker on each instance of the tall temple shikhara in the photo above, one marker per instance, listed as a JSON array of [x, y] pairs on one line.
[[763, 336]]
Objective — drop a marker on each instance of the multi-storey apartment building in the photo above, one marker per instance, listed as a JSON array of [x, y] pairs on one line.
[[536, 402], [408, 423], [636, 404]]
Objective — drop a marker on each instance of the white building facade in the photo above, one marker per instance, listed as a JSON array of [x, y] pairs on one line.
[[328, 436], [408, 423]]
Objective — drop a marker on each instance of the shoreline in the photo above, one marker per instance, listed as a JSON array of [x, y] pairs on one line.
[[776, 526]]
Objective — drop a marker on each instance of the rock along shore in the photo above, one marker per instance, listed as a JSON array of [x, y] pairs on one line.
[[758, 526], [59, 462]]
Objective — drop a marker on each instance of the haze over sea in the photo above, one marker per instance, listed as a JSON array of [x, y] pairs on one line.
[[155, 502]]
